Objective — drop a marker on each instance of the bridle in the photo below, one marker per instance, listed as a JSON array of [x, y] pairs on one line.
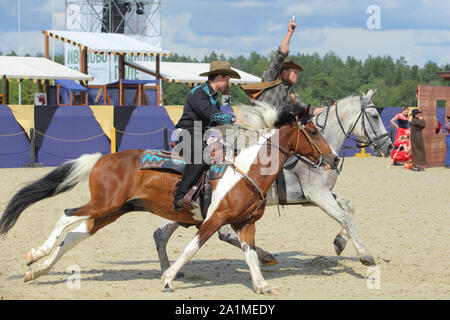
[[373, 143], [300, 128]]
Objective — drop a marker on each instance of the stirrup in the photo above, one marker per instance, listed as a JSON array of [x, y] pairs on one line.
[[178, 205]]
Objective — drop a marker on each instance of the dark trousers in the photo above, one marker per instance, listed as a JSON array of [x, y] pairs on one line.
[[192, 173]]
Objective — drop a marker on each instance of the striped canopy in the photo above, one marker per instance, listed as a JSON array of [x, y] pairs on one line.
[[109, 43]]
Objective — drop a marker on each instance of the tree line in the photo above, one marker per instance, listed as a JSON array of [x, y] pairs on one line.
[[322, 78], [329, 77]]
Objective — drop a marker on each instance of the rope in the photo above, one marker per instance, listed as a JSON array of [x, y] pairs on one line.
[[11, 134], [69, 140], [140, 134]]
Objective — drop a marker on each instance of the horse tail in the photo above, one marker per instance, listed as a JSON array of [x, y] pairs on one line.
[[60, 180]]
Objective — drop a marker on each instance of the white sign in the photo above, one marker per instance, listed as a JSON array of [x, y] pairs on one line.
[[40, 99]]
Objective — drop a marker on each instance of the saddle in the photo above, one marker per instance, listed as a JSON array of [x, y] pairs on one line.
[[164, 160], [201, 192]]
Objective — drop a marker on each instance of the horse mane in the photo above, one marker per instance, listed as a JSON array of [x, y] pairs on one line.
[[344, 101], [261, 115]]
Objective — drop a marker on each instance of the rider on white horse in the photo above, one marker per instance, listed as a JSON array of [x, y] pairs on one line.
[[279, 78]]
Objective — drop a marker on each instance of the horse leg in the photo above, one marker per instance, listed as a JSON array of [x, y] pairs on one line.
[[44, 250], [328, 204], [247, 240], [161, 236], [71, 239], [95, 217], [342, 237], [227, 234], [205, 231]]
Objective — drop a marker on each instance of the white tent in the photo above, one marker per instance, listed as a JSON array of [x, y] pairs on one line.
[[185, 72], [98, 42], [12, 67]]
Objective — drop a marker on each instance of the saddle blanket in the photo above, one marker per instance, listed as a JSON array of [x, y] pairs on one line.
[[162, 160]]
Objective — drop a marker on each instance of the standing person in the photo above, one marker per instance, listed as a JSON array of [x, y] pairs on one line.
[[201, 110], [278, 80], [447, 142], [402, 119], [418, 155]]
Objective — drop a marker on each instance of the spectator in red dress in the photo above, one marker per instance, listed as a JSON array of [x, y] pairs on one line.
[[402, 119], [401, 154]]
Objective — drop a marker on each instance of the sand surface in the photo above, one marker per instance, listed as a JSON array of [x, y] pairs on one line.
[[402, 216]]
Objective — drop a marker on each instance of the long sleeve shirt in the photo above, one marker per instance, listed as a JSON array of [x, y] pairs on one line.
[[279, 95], [202, 104]]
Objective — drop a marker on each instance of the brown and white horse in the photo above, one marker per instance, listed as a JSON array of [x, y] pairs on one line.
[[117, 186]]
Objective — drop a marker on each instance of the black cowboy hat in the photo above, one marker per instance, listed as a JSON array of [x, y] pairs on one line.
[[415, 111]]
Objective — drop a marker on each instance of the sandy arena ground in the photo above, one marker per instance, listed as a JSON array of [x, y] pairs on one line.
[[406, 231]]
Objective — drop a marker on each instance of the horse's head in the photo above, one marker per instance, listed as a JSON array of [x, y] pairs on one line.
[[370, 128], [305, 139]]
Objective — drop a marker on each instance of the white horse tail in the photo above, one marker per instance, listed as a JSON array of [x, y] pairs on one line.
[[59, 180]]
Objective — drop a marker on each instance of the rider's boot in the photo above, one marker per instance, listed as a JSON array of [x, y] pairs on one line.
[[192, 172]]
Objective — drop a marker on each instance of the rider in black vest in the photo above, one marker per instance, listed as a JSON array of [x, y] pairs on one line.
[[201, 110]]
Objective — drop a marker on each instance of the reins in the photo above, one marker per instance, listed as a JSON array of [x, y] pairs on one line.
[[288, 154], [360, 144]]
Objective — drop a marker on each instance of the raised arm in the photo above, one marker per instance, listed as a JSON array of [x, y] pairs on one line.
[[274, 70], [284, 46]]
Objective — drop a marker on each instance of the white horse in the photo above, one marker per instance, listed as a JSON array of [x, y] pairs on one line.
[[305, 185]]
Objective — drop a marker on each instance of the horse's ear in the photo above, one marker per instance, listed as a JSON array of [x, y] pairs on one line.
[[369, 95]]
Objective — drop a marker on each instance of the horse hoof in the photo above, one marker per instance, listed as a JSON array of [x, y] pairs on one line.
[[269, 260], [28, 276], [273, 290], [30, 259], [339, 245], [367, 261], [168, 288]]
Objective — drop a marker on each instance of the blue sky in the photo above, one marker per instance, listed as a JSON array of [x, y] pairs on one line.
[[419, 30]]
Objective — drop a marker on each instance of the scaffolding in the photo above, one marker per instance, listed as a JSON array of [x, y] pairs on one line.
[[131, 17]]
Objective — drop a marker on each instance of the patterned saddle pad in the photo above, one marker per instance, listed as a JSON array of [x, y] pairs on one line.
[[162, 160]]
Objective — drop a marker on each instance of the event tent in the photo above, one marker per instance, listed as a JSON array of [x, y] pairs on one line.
[[185, 72], [35, 68], [114, 43], [12, 67]]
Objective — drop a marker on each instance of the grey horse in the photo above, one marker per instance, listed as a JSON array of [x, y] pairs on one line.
[[308, 185]]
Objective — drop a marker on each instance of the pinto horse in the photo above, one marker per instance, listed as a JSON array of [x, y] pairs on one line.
[[117, 186], [304, 185]]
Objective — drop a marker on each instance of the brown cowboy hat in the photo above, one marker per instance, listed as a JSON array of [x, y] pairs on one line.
[[291, 64], [220, 67]]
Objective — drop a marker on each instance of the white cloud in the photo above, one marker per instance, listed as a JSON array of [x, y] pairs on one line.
[[316, 8], [247, 4], [360, 43], [32, 42], [48, 6], [433, 38], [179, 38]]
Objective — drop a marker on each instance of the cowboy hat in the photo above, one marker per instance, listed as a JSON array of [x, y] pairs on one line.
[[415, 111], [220, 67], [291, 64]]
